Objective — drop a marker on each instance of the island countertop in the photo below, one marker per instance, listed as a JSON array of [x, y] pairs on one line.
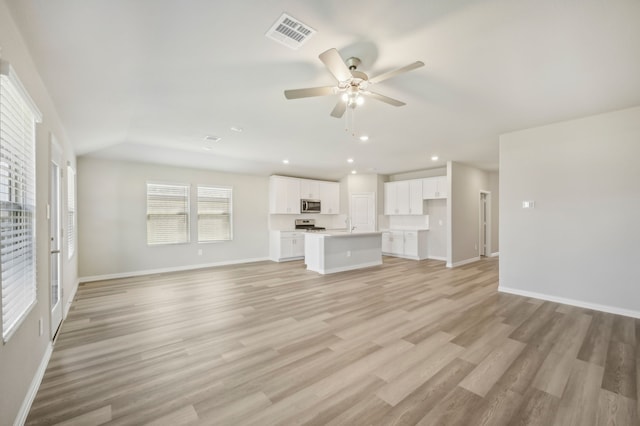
[[343, 233]]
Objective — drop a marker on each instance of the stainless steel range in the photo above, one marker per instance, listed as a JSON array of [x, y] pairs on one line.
[[308, 225]]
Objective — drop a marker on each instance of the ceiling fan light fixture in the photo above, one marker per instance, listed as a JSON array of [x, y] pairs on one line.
[[359, 100]]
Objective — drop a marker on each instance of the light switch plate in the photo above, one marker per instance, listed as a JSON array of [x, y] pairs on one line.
[[528, 204]]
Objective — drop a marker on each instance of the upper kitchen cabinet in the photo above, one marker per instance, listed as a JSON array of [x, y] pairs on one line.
[[284, 195], [434, 187], [403, 197], [329, 197], [310, 189]]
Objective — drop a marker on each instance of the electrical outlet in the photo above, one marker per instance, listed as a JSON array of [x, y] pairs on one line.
[[476, 246], [199, 252], [348, 253]]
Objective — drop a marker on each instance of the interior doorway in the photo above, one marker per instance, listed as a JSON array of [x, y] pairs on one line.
[[54, 213], [362, 211], [485, 224]]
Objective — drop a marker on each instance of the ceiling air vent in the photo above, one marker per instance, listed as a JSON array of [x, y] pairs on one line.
[[290, 32]]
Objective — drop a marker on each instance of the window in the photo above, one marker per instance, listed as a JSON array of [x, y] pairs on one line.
[[167, 214], [214, 214], [71, 211], [18, 116]]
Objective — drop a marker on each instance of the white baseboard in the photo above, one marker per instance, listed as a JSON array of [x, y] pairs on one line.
[[74, 290], [463, 262], [443, 258], [572, 302], [165, 270], [496, 254], [33, 387]]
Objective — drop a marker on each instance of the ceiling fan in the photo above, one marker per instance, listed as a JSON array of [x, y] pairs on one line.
[[352, 84]]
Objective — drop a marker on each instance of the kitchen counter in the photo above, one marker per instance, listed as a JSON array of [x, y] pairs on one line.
[[328, 252]]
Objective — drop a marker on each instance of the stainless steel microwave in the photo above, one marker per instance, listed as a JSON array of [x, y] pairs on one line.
[[309, 206]]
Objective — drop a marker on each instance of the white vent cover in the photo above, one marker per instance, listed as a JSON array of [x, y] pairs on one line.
[[290, 32]]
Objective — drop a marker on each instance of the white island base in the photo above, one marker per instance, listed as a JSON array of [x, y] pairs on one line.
[[330, 252]]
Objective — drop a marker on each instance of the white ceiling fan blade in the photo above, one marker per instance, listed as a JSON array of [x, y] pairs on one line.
[[309, 92], [335, 64], [393, 73], [339, 109], [383, 98]]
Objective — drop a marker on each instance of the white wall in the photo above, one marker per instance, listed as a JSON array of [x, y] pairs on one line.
[[581, 242], [112, 219], [26, 351]]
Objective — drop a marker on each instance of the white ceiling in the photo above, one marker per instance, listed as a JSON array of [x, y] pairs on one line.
[[149, 79]]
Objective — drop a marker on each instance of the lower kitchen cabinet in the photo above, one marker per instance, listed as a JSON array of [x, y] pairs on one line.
[[410, 244], [286, 245]]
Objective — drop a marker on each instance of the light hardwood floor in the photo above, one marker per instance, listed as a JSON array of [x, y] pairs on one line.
[[404, 343]]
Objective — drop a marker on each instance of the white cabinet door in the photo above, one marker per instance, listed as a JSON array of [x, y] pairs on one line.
[[410, 243], [416, 205], [441, 182], [291, 245], [390, 196], [429, 188], [297, 246], [403, 197], [434, 187], [397, 242], [329, 198], [386, 242], [284, 195], [309, 189]]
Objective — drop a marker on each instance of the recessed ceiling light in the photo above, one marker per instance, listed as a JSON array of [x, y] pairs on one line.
[[237, 129], [349, 160], [434, 158], [364, 138], [353, 172], [285, 161], [212, 138]]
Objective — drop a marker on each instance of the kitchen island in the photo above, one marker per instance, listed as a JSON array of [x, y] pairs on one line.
[[336, 251]]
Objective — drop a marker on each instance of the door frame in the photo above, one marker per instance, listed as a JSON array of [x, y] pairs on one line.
[[487, 218], [56, 311]]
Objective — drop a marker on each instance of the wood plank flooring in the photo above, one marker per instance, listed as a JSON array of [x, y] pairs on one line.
[[405, 343]]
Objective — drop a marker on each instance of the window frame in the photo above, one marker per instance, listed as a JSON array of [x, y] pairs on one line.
[[185, 212], [18, 154], [199, 214]]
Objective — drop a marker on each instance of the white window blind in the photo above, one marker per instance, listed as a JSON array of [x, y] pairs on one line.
[[167, 214], [71, 211], [18, 116], [214, 214]]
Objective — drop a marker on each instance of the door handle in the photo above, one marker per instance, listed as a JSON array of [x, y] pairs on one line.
[[55, 251]]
